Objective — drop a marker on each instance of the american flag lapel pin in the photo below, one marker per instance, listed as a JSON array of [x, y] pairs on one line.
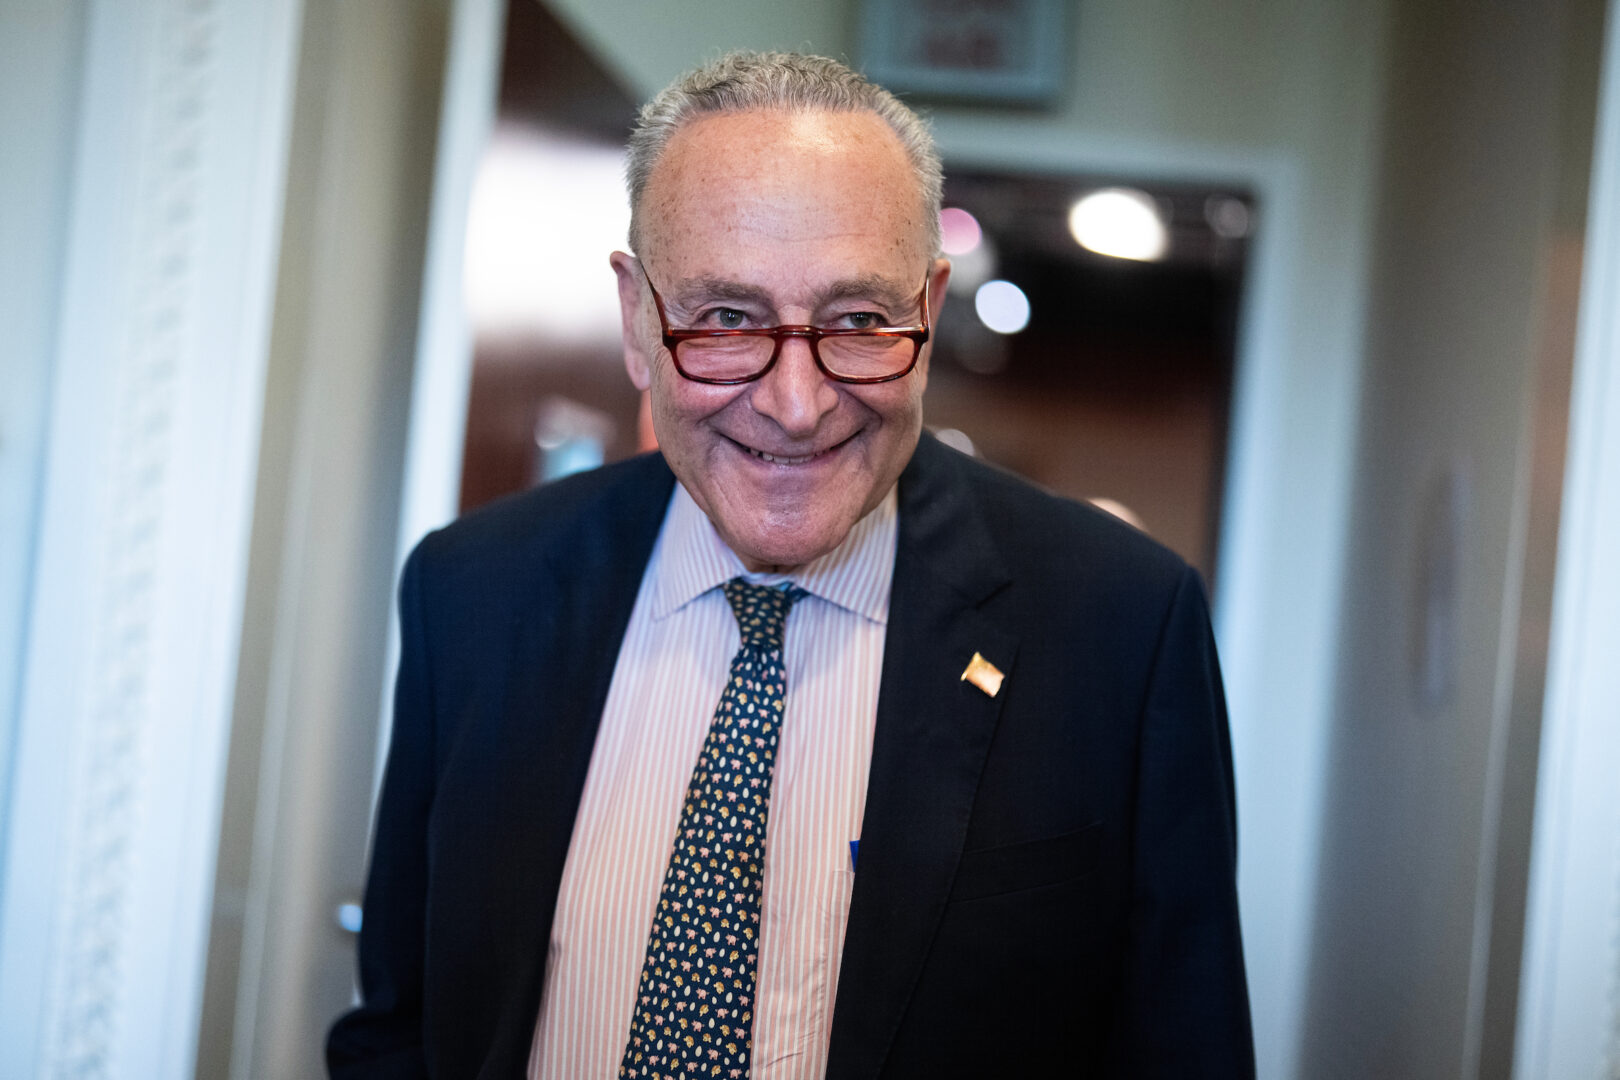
[[983, 674]]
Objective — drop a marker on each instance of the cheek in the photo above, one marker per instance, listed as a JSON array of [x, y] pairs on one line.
[[666, 416], [898, 404], [680, 406]]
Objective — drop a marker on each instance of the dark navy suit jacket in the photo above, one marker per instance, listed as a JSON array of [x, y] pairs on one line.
[[1046, 878]]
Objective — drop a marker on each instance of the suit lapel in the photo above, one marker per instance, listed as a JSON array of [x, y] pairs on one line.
[[567, 644], [932, 735]]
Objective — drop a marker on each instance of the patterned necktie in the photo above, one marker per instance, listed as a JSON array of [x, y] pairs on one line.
[[695, 1002]]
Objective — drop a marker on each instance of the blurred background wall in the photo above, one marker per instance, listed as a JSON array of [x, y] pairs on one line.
[[237, 370], [1443, 639]]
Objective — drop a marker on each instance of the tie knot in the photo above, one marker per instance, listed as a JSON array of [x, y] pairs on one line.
[[761, 611]]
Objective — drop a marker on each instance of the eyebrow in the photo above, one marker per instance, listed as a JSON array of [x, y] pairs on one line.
[[870, 285], [863, 285]]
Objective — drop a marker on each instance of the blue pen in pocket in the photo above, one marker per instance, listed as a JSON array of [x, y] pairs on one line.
[[854, 852]]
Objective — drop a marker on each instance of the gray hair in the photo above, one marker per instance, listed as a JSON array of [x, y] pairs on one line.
[[741, 81]]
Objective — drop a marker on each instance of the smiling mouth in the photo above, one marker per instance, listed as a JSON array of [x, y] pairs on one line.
[[784, 459]]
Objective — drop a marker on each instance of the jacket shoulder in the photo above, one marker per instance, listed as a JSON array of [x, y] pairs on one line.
[[597, 508], [1061, 539]]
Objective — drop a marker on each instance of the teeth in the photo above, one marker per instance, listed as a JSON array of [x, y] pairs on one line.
[[775, 459]]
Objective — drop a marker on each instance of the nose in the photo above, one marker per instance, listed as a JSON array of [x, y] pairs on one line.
[[794, 393]]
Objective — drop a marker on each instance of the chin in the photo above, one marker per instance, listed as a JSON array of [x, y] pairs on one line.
[[785, 551], [779, 558]]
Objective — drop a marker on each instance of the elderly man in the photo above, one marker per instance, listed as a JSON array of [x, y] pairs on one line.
[[807, 747]]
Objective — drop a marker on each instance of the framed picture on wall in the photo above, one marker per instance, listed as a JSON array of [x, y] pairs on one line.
[[995, 51]]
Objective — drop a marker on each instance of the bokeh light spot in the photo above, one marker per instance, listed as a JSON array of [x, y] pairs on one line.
[[959, 231], [1002, 306], [1121, 222]]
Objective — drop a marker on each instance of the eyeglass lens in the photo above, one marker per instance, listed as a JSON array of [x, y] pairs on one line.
[[853, 357]]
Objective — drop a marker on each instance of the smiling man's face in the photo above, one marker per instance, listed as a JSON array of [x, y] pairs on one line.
[[767, 218]]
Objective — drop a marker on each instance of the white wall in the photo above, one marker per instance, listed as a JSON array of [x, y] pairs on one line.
[[1279, 95], [39, 97], [343, 357], [1437, 710]]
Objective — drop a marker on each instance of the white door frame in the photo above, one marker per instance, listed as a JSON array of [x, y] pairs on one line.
[[1569, 996]]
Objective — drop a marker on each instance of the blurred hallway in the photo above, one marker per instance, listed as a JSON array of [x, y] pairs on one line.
[[237, 363]]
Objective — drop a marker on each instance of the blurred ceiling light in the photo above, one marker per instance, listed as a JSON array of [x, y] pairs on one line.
[[1002, 306], [959, 231], [1227, 216], [545, 214], [1121, 222]]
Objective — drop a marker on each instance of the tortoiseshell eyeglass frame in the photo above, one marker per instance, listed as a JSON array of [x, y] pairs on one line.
[[917, 335]]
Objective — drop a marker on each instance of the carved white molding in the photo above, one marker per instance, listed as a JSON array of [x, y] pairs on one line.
[[108, 773], [1569, 997], [149, 466]]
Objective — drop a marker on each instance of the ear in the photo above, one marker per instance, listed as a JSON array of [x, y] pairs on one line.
[[637, 361], [939, 277]]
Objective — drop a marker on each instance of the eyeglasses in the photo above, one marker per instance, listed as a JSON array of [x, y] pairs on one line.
[[729, 357]]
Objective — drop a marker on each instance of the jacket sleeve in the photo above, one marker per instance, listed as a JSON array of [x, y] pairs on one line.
[[382, 1038], [1186, 998]]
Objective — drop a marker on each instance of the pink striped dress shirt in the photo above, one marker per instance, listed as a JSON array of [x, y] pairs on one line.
[[671, 668]]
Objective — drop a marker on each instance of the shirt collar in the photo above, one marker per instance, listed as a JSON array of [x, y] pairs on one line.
[[691, 559]]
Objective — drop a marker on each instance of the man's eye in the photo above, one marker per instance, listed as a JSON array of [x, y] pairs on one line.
[[863, 320], [727, 319]]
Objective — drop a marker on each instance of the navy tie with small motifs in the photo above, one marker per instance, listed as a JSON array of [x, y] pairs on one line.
[[695, 1003]]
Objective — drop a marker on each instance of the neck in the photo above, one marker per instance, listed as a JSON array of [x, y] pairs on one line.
[[766, 568]]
